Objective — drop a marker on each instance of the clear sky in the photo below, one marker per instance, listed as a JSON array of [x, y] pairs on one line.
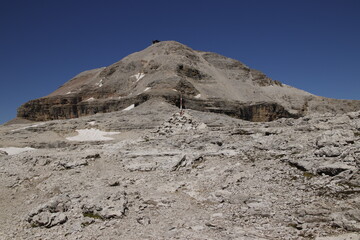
[[313, 45]]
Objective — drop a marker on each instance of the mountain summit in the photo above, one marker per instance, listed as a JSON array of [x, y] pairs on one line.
[[169, 70]]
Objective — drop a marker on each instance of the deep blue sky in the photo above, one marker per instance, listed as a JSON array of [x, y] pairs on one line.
[[313, 45]]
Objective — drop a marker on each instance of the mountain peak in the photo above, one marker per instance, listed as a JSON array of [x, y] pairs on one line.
[[206, 81]]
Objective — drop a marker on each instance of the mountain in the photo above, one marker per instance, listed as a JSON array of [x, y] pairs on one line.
[[151, 171], [170, 70]]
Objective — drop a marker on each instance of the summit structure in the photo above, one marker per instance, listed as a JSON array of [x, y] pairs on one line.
[[206, 81]]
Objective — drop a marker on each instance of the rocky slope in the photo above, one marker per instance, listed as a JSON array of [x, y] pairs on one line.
[[192, 176], [207, 82]]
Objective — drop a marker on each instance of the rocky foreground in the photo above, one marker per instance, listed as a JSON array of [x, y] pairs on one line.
[[192, 176]]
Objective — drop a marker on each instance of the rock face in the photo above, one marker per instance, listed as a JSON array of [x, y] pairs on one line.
[[206, 81]]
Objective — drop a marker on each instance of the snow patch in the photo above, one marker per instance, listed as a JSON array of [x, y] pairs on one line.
[[198, 96], [100, 83], [92, 123], [174, 90], [129, 107], [35, 125], [138, 76], [69, 92], [16, 150], [147, 89], [90, 99], [86, 135]]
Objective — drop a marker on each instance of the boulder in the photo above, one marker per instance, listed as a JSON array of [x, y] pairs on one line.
[[333, 169], [50, 214], [3, 153]]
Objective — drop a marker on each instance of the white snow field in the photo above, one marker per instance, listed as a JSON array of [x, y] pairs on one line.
[[92, 135], [138, 76], [16, 150], [100, 83], [32, 126], [129, 107], [92, 123]]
